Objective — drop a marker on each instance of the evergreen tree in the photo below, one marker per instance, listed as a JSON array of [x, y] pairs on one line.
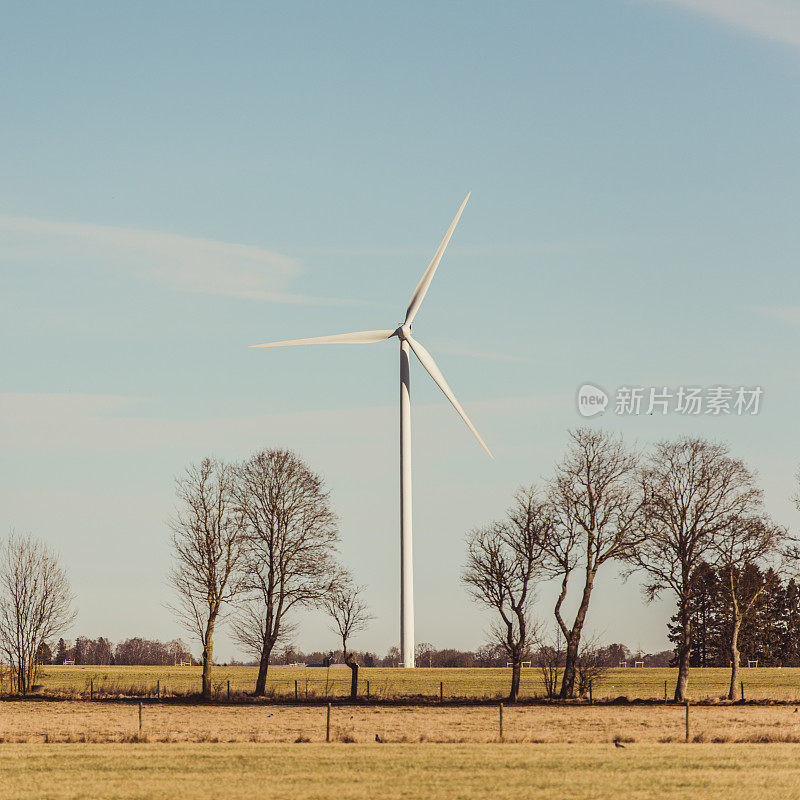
[[791, 625], [44, 655], [707, 611], [61, 652], [770, 636]]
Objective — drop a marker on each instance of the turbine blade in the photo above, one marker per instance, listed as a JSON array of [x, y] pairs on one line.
[[425, 282], [426, 359], [361, 337]]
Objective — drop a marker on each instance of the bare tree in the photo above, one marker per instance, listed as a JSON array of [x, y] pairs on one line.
[[504, 561], [207, 535], [348, 610], [692, 488], [590, 667], [747, 542], [424, 652], [290, 543], [35, 604], [595, 499], [548, 657]]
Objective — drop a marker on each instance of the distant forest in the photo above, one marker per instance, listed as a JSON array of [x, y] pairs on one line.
[[137, 651]]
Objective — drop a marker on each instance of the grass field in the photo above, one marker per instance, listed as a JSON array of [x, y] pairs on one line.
[[318, 682], [118, 721], [78, 749], [386, 772]]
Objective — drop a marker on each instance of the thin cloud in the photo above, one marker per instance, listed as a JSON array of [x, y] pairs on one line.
[[80, 423], [489, 355], [787, 314], [184, 263], [778, 20], [73, 423]]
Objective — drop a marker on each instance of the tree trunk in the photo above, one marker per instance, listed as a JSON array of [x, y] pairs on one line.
[[515, 676], [737, 622], [208, 657], [30, 673], [684, 652], [21, 685], [25, 679], [574, 640], [263, 665], [570, 660], [351, 662]]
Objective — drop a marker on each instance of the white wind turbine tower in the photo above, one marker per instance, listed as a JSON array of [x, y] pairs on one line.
[[407, 341]]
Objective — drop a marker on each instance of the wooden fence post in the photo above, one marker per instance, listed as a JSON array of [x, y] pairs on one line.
[[295, 691], [328, 725], [140, 719], [158, 689], [501, 722], [91, 688], [367, 690], [441, 691], [591, 699], [665, 691], [687, 720], [741, 687]]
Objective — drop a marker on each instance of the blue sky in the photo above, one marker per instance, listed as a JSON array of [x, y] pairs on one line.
[[178, 182]]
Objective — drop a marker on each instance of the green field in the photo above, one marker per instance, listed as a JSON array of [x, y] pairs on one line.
[[384, 772], [386, 683]]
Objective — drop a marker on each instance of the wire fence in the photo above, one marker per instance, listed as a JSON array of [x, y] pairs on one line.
[[306, 684]]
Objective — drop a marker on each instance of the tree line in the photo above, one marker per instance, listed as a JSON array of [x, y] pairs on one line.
[[668, 514], [255, 541], [261, 537], [135, 651], [138, 651]]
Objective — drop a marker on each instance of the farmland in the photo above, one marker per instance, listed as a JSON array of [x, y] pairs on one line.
[[70, 746], [384, 772], [314, 683], [23, 721], [73, 748]]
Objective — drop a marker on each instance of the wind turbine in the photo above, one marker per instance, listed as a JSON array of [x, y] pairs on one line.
[[407, 342]]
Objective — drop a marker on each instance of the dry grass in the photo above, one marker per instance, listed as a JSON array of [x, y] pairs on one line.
[[390, 772], [76, 721], [317, 682]]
